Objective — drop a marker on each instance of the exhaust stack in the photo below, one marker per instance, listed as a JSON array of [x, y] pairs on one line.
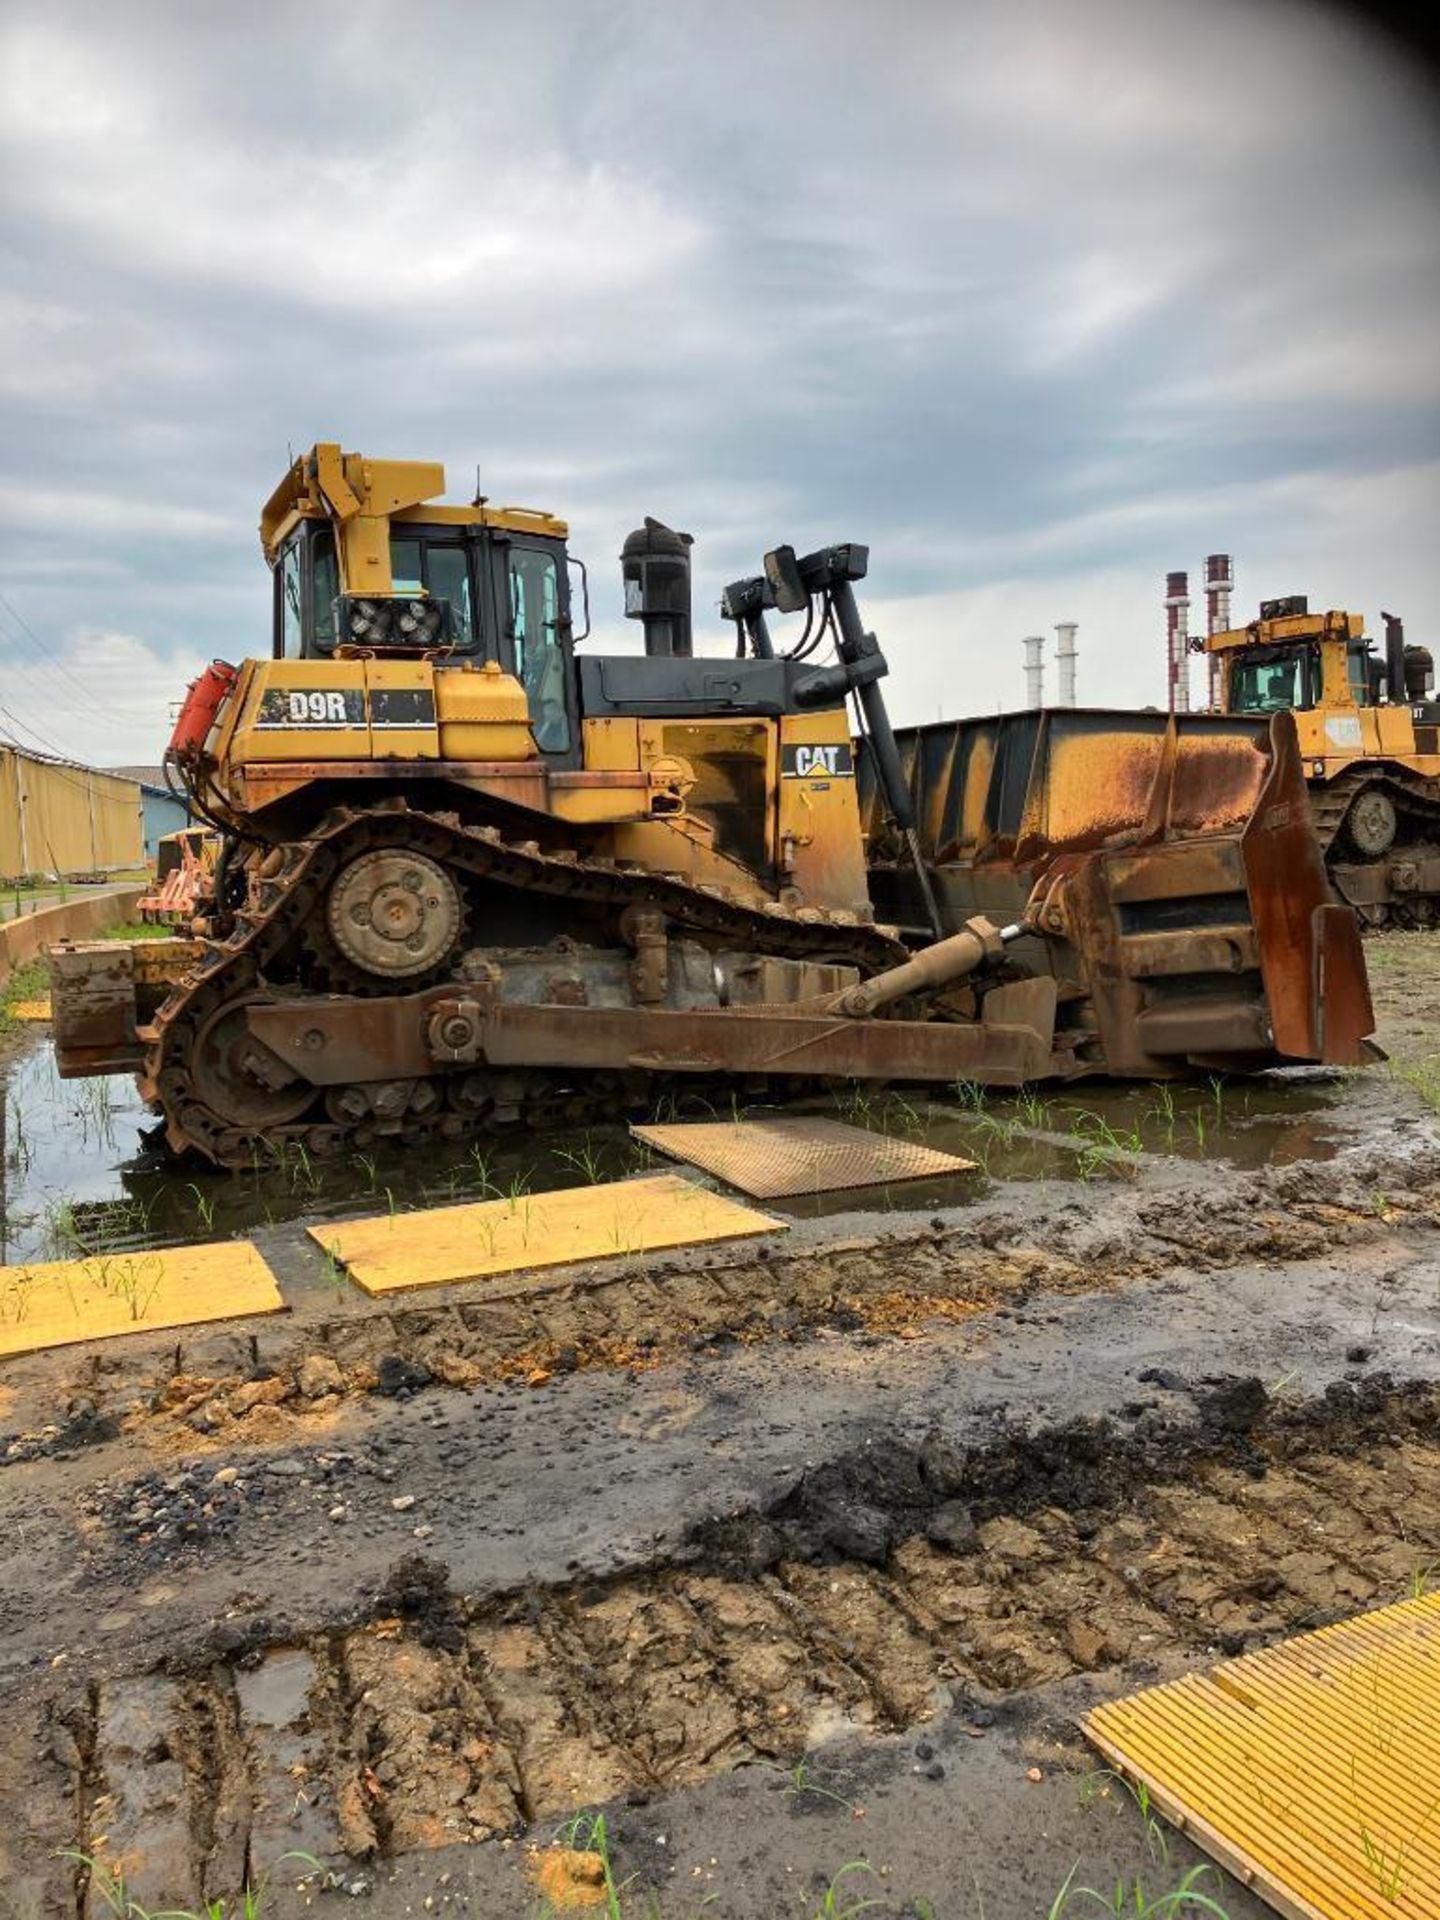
[[1065, 660], [1397, 687], [655, 563], [1177, 640], [1219, 584], [1034, 645]]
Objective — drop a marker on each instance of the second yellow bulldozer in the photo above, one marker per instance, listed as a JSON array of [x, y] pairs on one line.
[[475, 874], [1369, 734]]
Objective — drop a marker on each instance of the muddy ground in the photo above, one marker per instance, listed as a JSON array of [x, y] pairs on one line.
[[789, 1555]]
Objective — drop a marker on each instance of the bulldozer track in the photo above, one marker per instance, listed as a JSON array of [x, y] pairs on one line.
[[1417, 806], [1413, 796], [260, 959]]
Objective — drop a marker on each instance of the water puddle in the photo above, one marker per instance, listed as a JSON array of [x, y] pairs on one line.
[[77, 1175], [1275, 1119], [61, 1147], [1094, 1133]]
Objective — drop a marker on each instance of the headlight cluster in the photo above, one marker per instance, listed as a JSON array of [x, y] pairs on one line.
[[392, 622]]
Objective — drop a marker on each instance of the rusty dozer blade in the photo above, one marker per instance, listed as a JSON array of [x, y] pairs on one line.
[[1177, 882]]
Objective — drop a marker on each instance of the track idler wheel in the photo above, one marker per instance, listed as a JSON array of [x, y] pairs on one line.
[[239, 1079], [395, 915]]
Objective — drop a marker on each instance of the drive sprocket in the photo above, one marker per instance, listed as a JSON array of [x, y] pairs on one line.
[[389, 915]]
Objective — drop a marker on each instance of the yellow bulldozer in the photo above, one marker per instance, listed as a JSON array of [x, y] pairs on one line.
[[476, 873], [1369, 733]]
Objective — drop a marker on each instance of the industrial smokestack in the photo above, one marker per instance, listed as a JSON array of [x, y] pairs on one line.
[[1219, 584], [1177, 640], [1034, 645], [1065, 660]]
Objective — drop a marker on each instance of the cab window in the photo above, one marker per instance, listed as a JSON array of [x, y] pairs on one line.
[[1357, 660], [441, 569], [292, 639], [539, 654], [1281, 683], [406, 575], [447, 575], [324, 585]]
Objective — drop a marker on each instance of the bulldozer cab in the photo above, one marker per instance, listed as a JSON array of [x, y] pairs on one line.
[[1292, 661], [362, 569]]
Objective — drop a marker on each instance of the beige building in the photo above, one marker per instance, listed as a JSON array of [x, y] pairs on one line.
[[60, 819]]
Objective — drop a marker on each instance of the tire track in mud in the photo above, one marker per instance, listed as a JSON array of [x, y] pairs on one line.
[[438, 1720]]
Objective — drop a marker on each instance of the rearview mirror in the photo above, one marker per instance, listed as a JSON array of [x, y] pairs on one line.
[[782, 570], [572, 560]]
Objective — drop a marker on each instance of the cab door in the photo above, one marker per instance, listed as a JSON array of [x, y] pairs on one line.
[[532, 591]]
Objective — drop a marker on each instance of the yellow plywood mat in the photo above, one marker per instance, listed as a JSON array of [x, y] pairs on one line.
[[1310, 1771], [29, 1010], [772, 1158], [617, 1218], [57, 1302]]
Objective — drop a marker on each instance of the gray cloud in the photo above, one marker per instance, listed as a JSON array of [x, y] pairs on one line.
[[1039, 298]]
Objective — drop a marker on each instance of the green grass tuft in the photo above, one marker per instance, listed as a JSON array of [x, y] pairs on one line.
[[137, 930], [248, 1904], [28, 982]]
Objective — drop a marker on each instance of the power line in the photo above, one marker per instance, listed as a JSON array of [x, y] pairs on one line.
[[57, 712], [56, 698], [46, 687], [152, 717], [54, 658], [58, 666], [50, 754], [47, 745]]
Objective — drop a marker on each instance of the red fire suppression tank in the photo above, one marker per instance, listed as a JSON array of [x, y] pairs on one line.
[[203, 699]]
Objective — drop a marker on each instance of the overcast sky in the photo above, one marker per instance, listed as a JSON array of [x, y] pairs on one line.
[[1038, 297]]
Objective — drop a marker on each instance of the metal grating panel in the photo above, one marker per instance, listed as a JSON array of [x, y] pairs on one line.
[[29, 1009], [392, 1252], [57, 1302], [1311, 1771], [772, 1158]]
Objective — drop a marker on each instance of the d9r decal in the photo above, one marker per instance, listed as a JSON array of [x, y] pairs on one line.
[[805, 762], [310, 707]]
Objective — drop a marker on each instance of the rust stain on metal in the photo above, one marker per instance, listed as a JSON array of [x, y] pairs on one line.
[[1095, 789]]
